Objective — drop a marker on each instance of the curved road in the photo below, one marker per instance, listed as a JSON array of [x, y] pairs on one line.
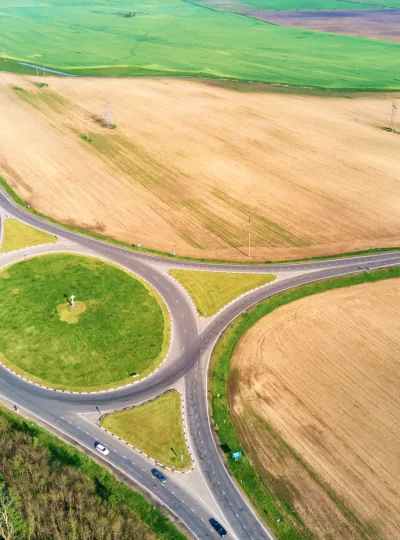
[[208, 491]]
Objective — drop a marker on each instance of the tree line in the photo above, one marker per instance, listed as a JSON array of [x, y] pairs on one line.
[[45, 492]]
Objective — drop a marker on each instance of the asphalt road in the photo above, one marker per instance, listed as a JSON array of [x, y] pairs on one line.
[[210, 491]]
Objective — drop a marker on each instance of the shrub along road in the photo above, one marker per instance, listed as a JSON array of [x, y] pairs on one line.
[[188, 358]]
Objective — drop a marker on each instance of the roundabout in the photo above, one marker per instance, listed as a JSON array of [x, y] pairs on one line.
[[209, 489], [79, 324]]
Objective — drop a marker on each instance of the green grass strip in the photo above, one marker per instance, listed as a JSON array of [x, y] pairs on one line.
[[265, 502], [17, 235], [114, 490], [211, 291], [155, 428], [166, 254]]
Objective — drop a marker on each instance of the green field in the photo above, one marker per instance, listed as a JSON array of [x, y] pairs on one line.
[[211, 291], [179, 38], [118, 332], [155, 428], [17, 235], [269, 499]]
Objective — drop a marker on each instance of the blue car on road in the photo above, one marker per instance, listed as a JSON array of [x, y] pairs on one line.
[[218, 527], [158, 474]]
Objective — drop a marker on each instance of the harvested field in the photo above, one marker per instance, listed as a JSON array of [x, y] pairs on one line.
[[372, 23], [319, 378], [189, 163]]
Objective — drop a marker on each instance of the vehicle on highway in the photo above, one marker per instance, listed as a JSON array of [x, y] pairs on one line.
[[218, 527], [102, 449], [158, 474]]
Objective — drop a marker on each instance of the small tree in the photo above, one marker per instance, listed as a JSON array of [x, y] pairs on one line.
[[12, 526]]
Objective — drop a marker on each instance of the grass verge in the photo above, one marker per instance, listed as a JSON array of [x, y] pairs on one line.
[[121, 335], [155, 428], [17, 235], [53, 464], [7, 189], [268, 504], [211, 291]]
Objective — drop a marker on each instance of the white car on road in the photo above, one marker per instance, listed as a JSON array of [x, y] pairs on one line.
[[102, 449]]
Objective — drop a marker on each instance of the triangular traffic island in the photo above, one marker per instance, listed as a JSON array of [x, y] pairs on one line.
[[155, 428], [211, 291], [17, 235]]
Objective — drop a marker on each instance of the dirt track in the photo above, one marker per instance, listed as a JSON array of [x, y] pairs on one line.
[[325, 373], [189, 163]]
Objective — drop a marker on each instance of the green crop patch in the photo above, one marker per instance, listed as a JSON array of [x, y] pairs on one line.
[[155, 428], [118, 330], [17, 235], [211, 291]]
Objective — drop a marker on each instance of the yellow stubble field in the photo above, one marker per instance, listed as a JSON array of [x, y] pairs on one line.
[[190, 162], [322, 375]]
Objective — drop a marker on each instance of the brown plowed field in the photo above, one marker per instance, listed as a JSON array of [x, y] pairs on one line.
[[324, 372], [370, 23], [190, 162]]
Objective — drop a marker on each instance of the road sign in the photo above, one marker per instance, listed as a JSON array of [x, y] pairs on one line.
[[236, 455]]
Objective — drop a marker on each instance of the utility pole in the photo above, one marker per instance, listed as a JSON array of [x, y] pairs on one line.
[[86, 126], [249, 228], [393, 117], [107, 114]]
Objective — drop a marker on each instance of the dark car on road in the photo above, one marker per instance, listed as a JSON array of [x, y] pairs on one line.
[[158, 474], [218, 527]]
